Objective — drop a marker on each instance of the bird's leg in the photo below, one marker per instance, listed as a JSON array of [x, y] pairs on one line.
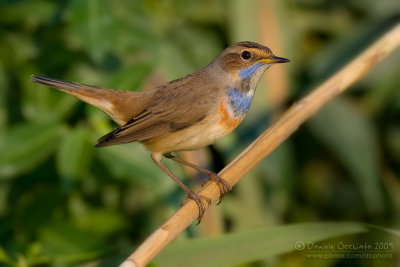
[[223, 185], [156, 157]]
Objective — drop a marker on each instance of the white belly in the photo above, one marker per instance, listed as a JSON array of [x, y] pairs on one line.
[[192, 138]]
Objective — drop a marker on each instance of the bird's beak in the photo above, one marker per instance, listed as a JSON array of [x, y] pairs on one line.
[[274, 59]]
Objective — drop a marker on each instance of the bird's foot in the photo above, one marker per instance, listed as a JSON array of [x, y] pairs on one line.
[[199, 199], [224, 186]]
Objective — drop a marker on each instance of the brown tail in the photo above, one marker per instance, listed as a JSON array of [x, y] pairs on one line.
[[60, 84], [121, 106]]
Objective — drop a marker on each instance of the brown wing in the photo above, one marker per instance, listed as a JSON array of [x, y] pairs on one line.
[[173, 109]]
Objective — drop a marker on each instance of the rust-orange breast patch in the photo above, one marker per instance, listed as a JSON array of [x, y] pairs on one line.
[[228, 122]]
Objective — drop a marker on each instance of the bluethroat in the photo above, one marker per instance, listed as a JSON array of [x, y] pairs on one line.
[[185, 114]]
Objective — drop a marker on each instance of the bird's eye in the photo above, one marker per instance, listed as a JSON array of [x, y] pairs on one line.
[[246, 55]]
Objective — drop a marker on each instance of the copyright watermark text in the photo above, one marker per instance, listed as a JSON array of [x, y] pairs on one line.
[[345, 250]]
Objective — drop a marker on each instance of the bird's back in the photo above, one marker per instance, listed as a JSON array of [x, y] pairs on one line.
[[172, 108]]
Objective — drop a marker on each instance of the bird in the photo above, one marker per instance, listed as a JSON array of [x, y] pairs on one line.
[[184, 114]]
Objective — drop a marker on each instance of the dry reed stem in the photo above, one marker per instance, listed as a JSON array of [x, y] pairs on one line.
[[266, 143]]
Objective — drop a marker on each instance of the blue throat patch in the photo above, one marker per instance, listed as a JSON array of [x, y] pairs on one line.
[[245, 73], [238, 102]]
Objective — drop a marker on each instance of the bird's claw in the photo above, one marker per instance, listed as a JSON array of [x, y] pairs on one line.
[[199, 199], [224, 186]]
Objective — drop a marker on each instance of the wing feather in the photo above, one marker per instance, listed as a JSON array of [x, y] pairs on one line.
[[171, 110]]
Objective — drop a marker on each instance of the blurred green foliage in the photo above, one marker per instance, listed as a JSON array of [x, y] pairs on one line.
[[64, 203]]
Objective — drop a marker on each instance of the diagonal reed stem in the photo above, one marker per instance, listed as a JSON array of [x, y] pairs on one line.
[[267, 142]]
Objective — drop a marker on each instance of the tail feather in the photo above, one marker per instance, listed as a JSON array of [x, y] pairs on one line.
[[121, 106], [95, 96], [59, 84]]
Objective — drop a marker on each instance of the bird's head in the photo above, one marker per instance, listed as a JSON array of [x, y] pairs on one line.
[[247, 59]]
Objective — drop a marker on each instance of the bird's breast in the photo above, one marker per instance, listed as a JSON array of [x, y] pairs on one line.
[[226, 120], [233, 108], [238, 103]]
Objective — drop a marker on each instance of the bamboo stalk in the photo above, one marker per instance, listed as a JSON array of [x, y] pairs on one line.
[[266, 143]]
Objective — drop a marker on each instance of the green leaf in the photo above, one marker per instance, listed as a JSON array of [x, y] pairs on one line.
[[236, 248], [62, 242], [23, 49], [102, 28], [130, 78], [74, 154], [3, 255], [243, 22], [392, 140], [27, 145], [20, 12], [170, 53], [111, 222], [3, 86], [352, 139], [129, 161], [44, 104], [93, 22]]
